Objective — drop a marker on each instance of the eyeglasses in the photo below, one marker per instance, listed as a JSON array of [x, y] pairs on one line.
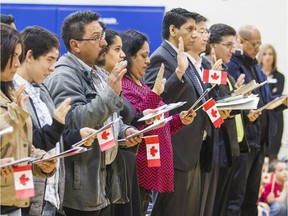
[[229, 46], [254, 44], [96, 38]]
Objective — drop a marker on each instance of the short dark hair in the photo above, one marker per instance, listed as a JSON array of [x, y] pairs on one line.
[[217, 31], [102, 24], [9, 40], [74, 25], [39, 40], [7, 19], [176, 17], [200, 18], [132, 42]]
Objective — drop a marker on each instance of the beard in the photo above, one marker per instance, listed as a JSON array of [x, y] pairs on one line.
[[100, 60]]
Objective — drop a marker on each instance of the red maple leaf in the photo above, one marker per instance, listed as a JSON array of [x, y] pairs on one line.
[[105, 135], [214, 76], [158, 117], [24, 179], [153, 151], [214, 113]]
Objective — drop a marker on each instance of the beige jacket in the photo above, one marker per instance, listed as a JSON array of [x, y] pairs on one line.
[[17, 144]]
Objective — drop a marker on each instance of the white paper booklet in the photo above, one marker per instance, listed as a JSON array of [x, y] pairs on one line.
[[244, 103]]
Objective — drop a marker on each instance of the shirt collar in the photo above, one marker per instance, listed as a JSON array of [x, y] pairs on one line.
[[82, 63], [195, 62], [175, 48], [29, 88]]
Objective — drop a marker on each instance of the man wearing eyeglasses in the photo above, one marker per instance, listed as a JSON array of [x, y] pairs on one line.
[[258, 127], [95, 100], [217, 183]]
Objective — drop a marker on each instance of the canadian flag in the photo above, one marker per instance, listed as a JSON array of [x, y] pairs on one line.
[[153, 151], [23, 180], [159, 117], [268, 178], [106, 139], [215, 77], [210, 108]]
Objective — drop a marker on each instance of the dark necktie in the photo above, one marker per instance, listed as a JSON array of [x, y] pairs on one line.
[[207, 125], [197, 82]]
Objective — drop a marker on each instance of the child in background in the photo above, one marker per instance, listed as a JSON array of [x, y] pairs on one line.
[[263, 207], [275, 193]]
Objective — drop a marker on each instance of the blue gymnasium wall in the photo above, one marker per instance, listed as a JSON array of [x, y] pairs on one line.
[[120, 18]]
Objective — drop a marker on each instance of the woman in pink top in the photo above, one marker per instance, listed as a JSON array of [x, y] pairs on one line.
[[136, 49]]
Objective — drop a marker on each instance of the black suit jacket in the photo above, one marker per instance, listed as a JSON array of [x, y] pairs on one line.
[[188, 141]]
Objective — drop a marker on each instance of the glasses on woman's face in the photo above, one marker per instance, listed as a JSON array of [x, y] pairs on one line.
[[254, 44], [95, 39]]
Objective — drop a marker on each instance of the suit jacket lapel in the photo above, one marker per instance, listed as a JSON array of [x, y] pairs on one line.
[[170, 49]]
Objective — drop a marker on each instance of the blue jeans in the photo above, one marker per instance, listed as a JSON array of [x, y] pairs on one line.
[[278, 209]]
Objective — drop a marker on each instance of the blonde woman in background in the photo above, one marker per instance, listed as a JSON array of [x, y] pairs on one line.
[[268, 61]]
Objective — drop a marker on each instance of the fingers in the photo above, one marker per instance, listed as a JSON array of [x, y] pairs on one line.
[[61, 111], [218, 65], [115, 77], [187, 117], [48, 166], [252, 116], [213, 55], [21, 97], [240, 81], [6, 171], [134, 140], [63, 106], [120, 69], [181, 45], [181, 60], [158, 87], [225, 113], [84, 132], [160, 73], [89, 142], [20, 91]]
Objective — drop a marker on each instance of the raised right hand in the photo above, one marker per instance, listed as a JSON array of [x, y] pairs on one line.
[[240, 81], [181, 59], [217, 65], [61, 111], [159, 85], [115, 77], [21, 97]]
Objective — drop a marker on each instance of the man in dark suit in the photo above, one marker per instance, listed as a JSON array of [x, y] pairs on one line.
[[181, 86]]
